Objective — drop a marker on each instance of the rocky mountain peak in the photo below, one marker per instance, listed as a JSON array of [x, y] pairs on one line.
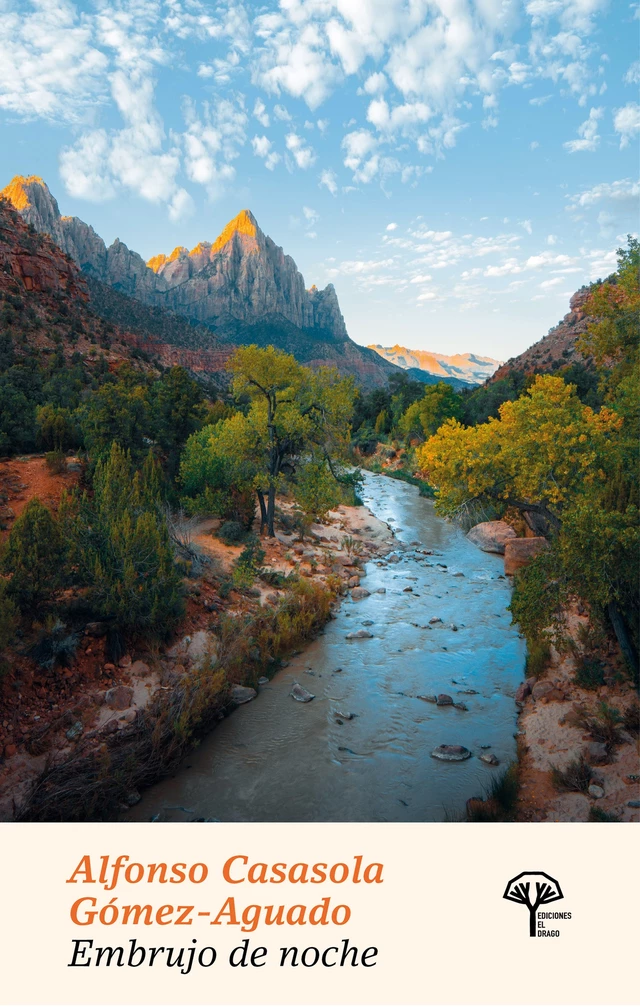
[[244, 224], [31, 197], [242, 286]]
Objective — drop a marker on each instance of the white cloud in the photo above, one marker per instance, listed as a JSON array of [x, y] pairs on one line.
[[400, 118], [83, 167], [391, 227], [301, 152], [329, 180], [625, 190], [262, 147], [281, 113], [626, 122], [311, 216], [51, 66], [552, 239], [588, 133], [376, 83], [260, 113], [526, 224], [212, 141], [632, 76], [534, 145], [358, 145]]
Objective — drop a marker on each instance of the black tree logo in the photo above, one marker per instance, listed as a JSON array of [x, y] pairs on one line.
[[520, 890]]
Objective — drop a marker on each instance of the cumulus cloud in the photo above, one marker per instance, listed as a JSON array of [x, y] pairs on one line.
[[626, 122], [262, 147], [302, 154], [329, 180], [392, 226], [587, 133], [625, 190], [51, 66], [260, 113], [212, 141]]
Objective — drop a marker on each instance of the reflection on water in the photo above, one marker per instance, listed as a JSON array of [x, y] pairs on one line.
[[278, 760]]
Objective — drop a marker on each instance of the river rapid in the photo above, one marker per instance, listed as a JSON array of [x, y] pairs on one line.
[[278, 760]]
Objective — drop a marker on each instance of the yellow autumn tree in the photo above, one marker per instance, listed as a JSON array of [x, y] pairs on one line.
[[542, 452]]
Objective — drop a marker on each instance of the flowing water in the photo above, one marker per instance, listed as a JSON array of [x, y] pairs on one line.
[[276, 759]]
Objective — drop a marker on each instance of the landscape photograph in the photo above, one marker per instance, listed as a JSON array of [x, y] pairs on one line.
[[319, 411]]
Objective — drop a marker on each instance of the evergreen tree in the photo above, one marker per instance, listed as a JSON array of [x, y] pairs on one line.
[[33, 557]]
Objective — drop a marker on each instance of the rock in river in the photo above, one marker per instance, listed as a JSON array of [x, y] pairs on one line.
[[451, 753], [490, 759], [360, 634], [301, 694], [359, 593], [444, 700], [491, 536], [242, 694]]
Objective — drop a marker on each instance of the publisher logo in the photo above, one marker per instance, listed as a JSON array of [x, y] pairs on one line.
[[534, 889]]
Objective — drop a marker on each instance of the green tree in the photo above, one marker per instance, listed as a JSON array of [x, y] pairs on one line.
[[33, 557], [316, 489], [550, 455], [8, 618], [115, 413], [177, 409], [439, 403], [293, 410], [120, 547]]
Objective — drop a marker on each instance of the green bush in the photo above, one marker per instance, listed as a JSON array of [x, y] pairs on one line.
[[120, 547], [56, 462], [55, 646], [8, 619], [589, 674], [231, 532], [576, 777], [34, 557], [247, 565], [538, 657]]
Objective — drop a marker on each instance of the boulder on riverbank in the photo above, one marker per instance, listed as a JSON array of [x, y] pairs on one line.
[[520, 551], [491, 536], [242, 694], [301, 694]]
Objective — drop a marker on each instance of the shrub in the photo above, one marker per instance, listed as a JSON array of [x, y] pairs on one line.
[[55, 647], [538, 656], [576, 777], [120, 547], [631, 719], [598, 815], [500, 798], [604, 724], [589, 674], [8, 619], [33, 557], [231, 532], [56, 462], [247, 565]]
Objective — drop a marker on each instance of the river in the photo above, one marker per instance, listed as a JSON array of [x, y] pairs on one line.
[[279, 760]]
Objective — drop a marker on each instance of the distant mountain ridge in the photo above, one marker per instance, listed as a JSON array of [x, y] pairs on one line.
[[558, 347], [242, 286], [466, 368]]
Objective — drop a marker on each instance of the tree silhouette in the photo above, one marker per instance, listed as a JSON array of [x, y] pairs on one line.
[[547, 890]]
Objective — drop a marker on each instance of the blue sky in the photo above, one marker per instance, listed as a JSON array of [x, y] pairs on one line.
[[457, 169]]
